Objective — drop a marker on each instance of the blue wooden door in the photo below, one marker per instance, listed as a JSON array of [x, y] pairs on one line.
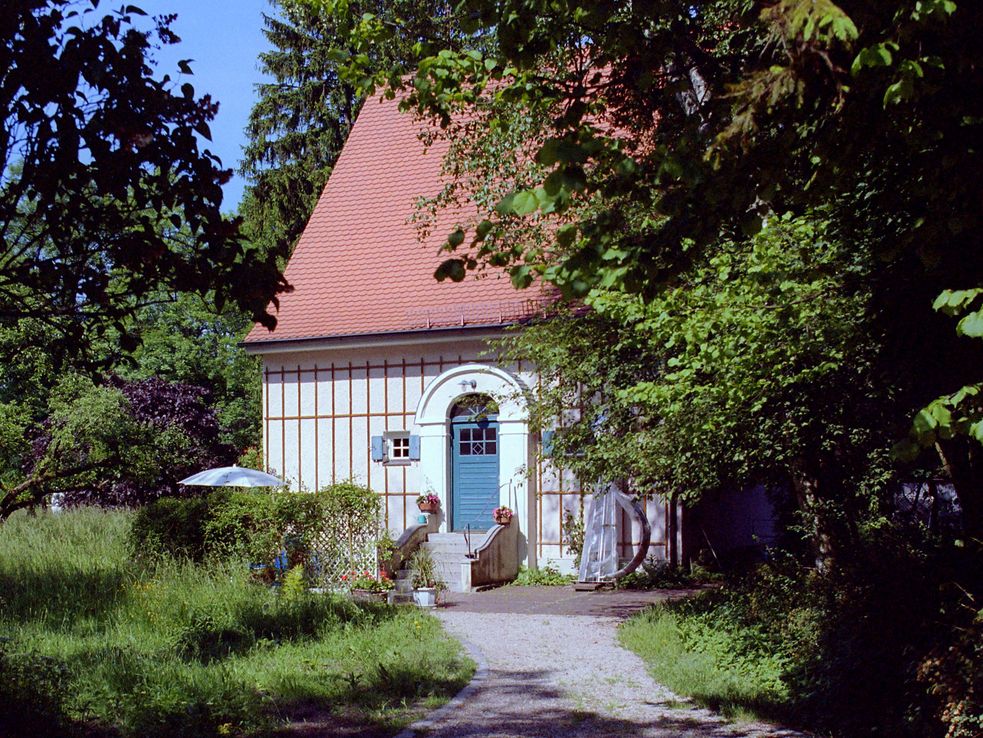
[[475, 447]]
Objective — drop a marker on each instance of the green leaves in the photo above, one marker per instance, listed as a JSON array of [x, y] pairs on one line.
[[945, 418], [903, 89], [564, 151], [925, 9], [878, 55], [455, 239], [971, 325], [812, 21], [959, 413], [107, 197], [955, 302], [757, 356], [523, 203]]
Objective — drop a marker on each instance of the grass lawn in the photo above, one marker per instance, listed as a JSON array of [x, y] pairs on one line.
[[691, 648], [94, 643]]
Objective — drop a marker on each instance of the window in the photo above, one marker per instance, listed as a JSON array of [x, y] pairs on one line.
[[399, 447], [479, 442]]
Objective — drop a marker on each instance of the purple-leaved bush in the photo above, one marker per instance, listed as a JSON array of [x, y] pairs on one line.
[[166, 407]]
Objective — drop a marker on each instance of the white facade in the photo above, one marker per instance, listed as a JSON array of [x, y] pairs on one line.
[[323, 404]]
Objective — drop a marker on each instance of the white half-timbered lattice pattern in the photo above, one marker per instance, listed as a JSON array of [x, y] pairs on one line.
[[322, 408]]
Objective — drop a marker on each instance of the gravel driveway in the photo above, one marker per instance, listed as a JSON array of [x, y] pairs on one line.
[[561, 675]]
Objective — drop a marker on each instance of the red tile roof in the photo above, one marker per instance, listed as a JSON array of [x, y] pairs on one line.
[[360, 268]]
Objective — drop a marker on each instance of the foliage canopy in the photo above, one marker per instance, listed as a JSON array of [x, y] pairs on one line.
[[119, 444], [670, 130], [105, 194]]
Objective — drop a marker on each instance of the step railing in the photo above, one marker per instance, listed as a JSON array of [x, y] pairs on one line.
[[411, 538], [496, 559]]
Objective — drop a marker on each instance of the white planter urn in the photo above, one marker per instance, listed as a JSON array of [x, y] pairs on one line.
[[425, 597]]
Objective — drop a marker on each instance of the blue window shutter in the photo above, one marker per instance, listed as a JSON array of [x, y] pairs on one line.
[[414, 448], [547, 442], [377, 448]]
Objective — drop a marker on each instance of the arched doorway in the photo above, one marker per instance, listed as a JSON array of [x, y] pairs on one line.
[[475, 450], [434, 424]]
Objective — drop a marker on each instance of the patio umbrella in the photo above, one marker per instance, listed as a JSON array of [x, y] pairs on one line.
[[233, 476]]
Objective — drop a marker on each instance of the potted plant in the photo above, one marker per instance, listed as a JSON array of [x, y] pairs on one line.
[[426, 583], [502, 515], [386, 548], [368, 588], [428, 503]]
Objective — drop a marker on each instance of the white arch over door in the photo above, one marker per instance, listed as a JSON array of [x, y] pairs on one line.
[[433, 427]]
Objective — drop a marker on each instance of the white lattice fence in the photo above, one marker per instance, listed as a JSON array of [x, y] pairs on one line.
[[331, 533], [341, 548]]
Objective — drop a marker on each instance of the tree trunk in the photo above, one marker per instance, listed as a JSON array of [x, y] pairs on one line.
[[963, 461], [808, 494]]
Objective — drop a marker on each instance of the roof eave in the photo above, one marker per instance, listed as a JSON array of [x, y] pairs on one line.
[[368, 340]]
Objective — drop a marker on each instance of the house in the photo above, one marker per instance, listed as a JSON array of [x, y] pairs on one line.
[[375, 369]]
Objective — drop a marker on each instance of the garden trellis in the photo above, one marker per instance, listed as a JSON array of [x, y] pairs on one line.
[[340, 545], [334, 532]]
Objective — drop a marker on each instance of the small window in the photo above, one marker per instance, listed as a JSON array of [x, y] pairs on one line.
[[397, 445], [399, 448], [395, 448]]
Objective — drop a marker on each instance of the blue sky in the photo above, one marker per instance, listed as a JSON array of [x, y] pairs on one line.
[[224, 39]]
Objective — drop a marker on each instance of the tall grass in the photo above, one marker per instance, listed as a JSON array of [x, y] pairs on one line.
[[173, 648], [698, 656]]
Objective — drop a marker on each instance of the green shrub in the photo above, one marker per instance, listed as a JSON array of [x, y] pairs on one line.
[[729, 649], [245, 525], [171, 526], [252, 526], [952, 673], [294, 586], [885, 643], [656, 574], [545, 576]]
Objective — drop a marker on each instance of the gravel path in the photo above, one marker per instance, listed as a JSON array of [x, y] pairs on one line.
[[564, 676]]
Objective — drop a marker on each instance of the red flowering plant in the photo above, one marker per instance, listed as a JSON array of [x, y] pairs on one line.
[[428, 499], [366, 581], [502, 514]]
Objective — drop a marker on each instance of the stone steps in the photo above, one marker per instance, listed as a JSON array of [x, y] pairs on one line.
[[448, 551]]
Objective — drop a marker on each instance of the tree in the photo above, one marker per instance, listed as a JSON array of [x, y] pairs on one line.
[[186, 341], [296, 127], [105, 195], [759, 202], [89, 430], [674, 127], [302, 118], [120, 443], [754, 368]]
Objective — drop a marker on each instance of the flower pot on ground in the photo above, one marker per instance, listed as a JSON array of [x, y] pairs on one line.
[[426, 582], [366, 587], [428, 503], [367, 595], [502, 515]]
